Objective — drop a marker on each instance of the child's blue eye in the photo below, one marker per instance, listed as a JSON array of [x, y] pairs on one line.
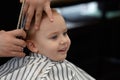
[[54, 37], [65, 33]]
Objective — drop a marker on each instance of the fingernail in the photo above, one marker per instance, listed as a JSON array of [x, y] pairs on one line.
[[51, 20]]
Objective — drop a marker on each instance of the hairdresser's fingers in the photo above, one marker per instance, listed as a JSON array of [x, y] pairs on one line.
[[25, 8], [38, 16], [16, 48], [17, 54], [48, 11], [18, 33], [21, 1], [29, 17], [19, 42], [10, 53]]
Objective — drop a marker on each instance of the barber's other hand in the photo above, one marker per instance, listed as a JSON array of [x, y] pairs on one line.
[[10, 46], [36, 7]]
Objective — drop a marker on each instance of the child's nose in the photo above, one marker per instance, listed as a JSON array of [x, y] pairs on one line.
[[63, 40]]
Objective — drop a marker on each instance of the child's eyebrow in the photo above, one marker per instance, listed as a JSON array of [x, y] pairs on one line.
[[65, 29], [53, 33], [57, 32]]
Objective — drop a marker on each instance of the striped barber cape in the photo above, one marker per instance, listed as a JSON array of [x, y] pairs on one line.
[[38, 67]]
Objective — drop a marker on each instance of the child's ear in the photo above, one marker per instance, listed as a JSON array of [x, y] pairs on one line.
[[31, 46]]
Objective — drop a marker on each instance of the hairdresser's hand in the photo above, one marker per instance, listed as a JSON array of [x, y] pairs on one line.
[[36, 7], [10, 46]]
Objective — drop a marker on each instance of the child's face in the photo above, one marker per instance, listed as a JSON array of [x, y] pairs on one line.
[[52, 40]]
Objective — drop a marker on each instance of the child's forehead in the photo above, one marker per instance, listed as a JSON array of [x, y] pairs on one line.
[[58, 21], [53, 27], [56, 25]]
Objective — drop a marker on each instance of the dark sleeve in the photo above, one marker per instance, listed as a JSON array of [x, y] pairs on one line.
[[4, 60], [9, 14]]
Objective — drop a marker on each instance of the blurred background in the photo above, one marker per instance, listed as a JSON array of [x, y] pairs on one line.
[[93, 27]]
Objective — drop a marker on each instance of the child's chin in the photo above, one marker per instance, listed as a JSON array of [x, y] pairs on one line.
[[60, 59]]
